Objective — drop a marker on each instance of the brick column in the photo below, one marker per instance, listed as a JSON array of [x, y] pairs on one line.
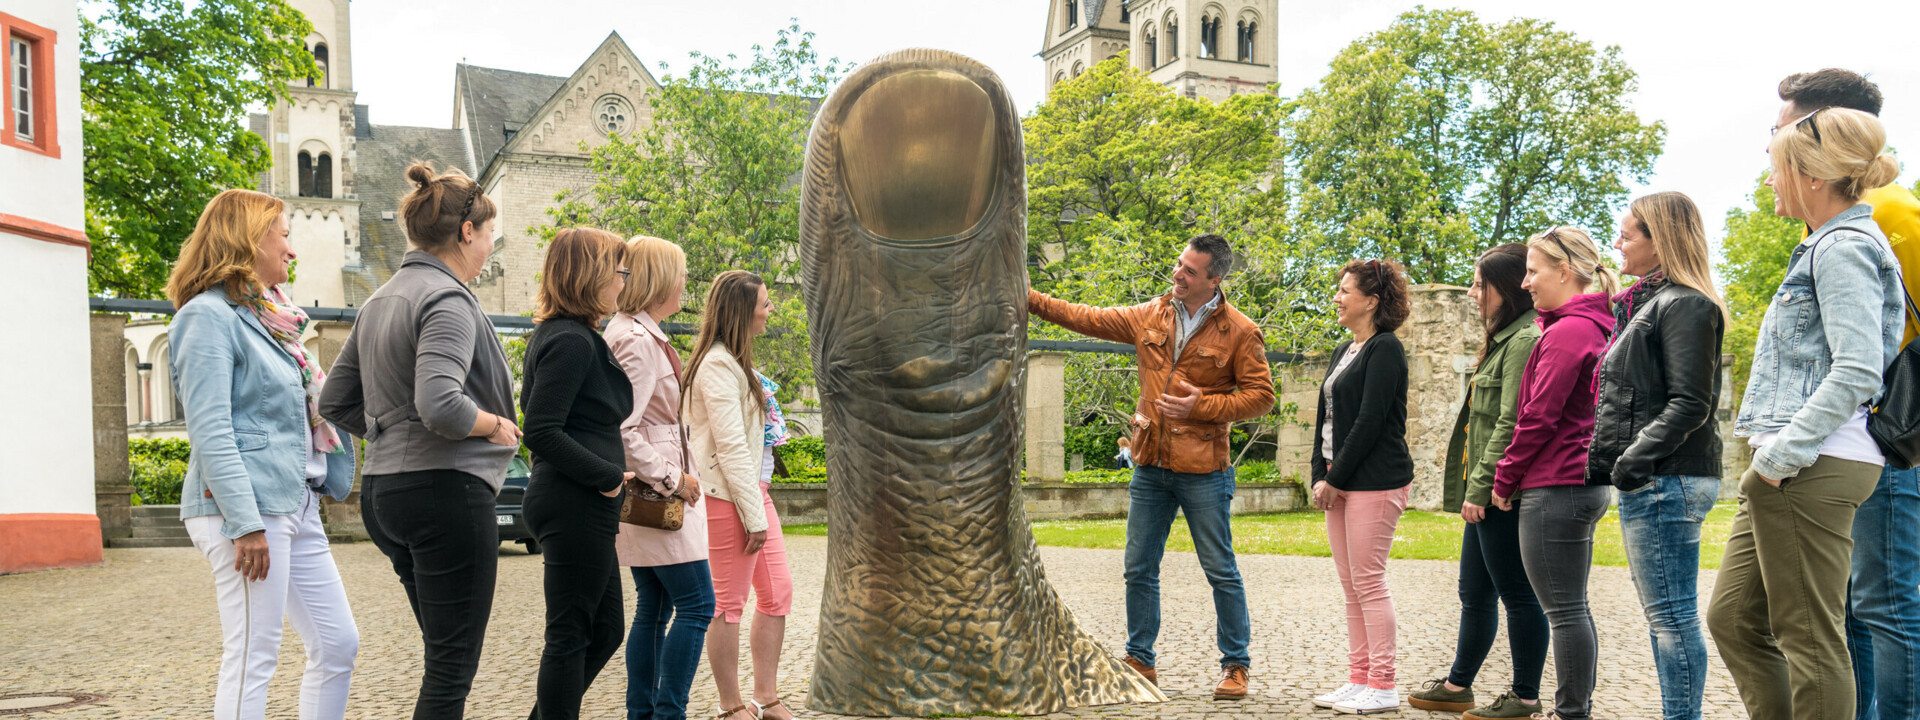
[[342, 517], [1046, 416], [112, 473]]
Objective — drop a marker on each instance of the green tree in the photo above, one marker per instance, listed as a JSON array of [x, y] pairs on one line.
[[1121, 173], [1442, 135], [164, 90], [716, 171]]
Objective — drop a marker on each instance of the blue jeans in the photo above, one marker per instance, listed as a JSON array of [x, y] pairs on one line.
[[1206, 499], [1660, 523], [1883, 611], [661, 662]]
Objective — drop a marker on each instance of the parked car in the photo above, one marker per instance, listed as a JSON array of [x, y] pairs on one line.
[[506, 508]]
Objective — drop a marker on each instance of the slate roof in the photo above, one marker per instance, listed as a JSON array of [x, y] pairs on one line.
[[498, 100], [380, 180]]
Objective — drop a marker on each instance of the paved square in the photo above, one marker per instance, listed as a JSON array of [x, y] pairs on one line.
[[143, 629]]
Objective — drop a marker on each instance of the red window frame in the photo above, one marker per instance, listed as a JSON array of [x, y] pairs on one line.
[[45, 121]]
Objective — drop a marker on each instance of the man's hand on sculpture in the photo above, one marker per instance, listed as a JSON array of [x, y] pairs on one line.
[[1178, 407]]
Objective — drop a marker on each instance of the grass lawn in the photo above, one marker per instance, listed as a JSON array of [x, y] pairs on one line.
[[1422, 535]]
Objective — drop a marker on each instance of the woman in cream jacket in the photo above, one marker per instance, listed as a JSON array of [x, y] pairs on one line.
[[731, 449]]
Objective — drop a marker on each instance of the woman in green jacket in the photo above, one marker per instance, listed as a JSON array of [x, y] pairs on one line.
[[1490, 570]]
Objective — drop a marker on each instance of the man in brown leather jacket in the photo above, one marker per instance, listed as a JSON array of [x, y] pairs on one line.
[[1203, 366]]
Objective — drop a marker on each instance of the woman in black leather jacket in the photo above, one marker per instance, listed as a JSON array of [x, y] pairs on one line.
[[1654, 434]]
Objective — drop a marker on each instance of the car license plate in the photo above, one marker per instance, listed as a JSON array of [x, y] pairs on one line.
[[504, 519]]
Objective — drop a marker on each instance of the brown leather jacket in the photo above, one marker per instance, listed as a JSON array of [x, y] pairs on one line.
[[1226, 358]]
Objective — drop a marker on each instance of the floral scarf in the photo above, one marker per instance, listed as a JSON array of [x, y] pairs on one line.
[[776, 427], [285, 321]]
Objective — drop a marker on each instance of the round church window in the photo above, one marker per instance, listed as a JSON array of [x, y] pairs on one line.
[[613, 115]]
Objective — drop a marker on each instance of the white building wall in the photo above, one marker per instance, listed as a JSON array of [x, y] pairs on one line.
[[319, 242], [46, 460]]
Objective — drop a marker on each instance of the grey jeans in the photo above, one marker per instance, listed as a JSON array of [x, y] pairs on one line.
[[1556, 546]]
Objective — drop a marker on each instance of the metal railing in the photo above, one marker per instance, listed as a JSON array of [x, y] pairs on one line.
[[519, 324]]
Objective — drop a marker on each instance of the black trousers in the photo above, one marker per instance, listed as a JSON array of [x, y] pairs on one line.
[[438, 529], [585, 619], [1492, 573]]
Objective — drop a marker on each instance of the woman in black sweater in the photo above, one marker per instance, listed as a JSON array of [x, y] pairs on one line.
[[573, 398], [1361, 471]]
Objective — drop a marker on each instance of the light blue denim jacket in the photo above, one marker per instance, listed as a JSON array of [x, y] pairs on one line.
[[246, 417], [1819, 359]]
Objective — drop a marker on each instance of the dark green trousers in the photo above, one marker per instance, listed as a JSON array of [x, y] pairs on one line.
[[1781, 597]]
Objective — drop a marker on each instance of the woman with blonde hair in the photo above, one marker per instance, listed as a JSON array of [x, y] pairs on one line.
[[424, 380], [1828, 335], [1654, 437], [735, 424], [574, 397], [671, 580], [261, 457], [1543, 473]]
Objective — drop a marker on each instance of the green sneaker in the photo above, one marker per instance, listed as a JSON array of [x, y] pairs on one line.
[[1505, 706], [1434, 695]]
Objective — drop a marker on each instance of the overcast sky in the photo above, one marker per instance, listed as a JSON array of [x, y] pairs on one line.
[[1708, 74]]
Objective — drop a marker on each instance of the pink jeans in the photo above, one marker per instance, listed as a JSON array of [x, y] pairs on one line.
[[734, 571], [1360, 528]]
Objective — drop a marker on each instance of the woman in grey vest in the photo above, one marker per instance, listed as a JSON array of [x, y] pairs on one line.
[[424, 381]]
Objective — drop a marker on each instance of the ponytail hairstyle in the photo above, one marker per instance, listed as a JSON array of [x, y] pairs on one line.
[[440, 205], [1843, 148], [224, 244], [727, 321], [1680, 241], [1573, 249], [1501, 271]]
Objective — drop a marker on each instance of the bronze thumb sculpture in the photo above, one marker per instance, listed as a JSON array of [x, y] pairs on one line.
[[913, 249]]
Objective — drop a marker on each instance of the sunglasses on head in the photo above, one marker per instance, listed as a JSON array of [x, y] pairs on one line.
[[1554, 234], [1806, 121]]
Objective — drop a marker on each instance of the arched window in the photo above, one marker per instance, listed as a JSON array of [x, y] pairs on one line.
[[1245, 39], [319, 58], [1059, 77], [1209, 37], [1078, 68], [323, 176], [1152, 50], [1073, 12], [1173, 40], [303, 174]]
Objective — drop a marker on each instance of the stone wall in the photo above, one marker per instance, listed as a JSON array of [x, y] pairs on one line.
[[523, 189]]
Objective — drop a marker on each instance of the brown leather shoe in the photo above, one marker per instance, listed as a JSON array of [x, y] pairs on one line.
[[1233, 683], [1145, 670]]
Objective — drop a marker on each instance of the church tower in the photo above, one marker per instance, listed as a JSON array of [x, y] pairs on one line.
[[312, 138], [1211, 49]]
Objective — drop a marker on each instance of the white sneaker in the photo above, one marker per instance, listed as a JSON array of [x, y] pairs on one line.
[[1370, 700], [1336, 697]]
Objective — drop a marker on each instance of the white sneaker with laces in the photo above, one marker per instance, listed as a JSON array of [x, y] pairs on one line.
[[1370, 700], [1336, 697]]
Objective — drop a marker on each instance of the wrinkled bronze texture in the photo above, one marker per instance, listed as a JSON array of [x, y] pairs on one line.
[[913, 250]]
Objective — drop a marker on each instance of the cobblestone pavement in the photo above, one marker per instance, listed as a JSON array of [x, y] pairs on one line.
[[143, 629]]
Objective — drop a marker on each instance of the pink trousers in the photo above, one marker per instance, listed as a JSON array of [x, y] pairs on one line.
[[734, 571], [1360, 529]]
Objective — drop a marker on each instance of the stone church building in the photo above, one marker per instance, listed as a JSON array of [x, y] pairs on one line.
[[1211, 49], [518, 134]]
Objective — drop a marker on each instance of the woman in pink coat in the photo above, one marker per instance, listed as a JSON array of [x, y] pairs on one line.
[[671, 578]]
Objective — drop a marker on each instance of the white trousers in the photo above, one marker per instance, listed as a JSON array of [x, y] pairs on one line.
[[303, 586]]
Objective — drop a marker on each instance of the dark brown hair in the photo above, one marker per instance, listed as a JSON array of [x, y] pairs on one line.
[[727, 320], [1832, 87], [580, 262], [1385, 280], [440, 204], [1501, 270]]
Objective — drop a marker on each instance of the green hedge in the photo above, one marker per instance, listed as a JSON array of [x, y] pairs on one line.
[[159, 468], [805, 457]]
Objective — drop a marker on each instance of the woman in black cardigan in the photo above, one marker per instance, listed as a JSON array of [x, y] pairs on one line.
[[573, 398], [1361, 472]]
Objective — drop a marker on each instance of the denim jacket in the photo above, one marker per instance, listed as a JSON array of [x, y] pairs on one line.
[[246, 417], [1818, 359]]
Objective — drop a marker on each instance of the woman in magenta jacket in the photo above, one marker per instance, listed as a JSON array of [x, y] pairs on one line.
[[1545, 468]]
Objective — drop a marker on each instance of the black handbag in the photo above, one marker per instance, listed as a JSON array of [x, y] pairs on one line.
[[1895, 422]]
